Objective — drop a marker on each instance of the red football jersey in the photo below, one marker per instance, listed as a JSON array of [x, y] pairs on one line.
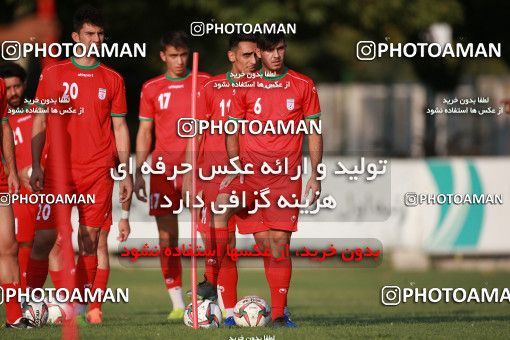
[[21, 125], [290, 96], [82, 138], [165, 100], [213, 105]]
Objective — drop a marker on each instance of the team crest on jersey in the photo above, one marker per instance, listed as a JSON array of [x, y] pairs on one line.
[[101, 94], [290, 104]]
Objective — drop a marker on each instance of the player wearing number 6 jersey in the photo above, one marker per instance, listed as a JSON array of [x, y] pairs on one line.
[[288, 96], [85, 99], [163, 101]]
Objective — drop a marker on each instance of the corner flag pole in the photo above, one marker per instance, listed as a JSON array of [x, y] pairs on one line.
[[194, 76]]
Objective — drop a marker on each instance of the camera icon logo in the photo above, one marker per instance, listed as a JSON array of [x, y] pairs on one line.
[[390, 295], [11, 50], [186, 128], [197, 28], [365, 50], [5, 199]]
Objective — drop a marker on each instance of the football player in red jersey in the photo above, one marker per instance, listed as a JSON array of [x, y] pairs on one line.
[[213, 105], [20, 120], [163, 101], [288, 96], [9, 269], [82, 148]]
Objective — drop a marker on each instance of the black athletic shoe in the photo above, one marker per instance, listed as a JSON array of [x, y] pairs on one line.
[[205, 291], [21, 323]]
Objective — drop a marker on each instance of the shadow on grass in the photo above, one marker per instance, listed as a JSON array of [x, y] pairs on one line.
[[324, 320]]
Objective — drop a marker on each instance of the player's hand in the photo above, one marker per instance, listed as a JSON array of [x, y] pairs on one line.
[[37, 179], [228, 179], [13, 183], [124, 230], [140, 186], [312, 187], [125, 189]]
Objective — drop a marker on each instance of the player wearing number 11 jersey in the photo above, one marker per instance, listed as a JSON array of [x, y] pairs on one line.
[[9, 275], [163, 101], [20, 119]]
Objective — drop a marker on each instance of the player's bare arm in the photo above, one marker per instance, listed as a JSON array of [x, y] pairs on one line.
[[143, 145], [10, 159], [38, 140], [315, 150], [123, 225], [121, 132]]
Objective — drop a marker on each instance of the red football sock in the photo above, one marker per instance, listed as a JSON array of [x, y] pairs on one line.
[[63, 279], [227, 278], [171, 268], [23, 256], [100, 282], [12, 307], [37, 271], [279, 275], [217, 239], [55, 278]]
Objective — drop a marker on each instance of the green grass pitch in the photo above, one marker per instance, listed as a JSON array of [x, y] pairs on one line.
[[325, 303]]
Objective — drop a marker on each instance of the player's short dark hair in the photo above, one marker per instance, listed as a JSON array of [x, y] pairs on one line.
[[10, 69], [177, 39], [235, 39], [268, 41], [88, 15]]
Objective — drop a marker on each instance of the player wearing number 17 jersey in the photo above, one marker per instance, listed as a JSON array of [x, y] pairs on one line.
[[164, 100]]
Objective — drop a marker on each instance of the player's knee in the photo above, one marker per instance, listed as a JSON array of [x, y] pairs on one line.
[[89, 249], [262, 240], [45, 239], [9, 250], [221, 219]]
